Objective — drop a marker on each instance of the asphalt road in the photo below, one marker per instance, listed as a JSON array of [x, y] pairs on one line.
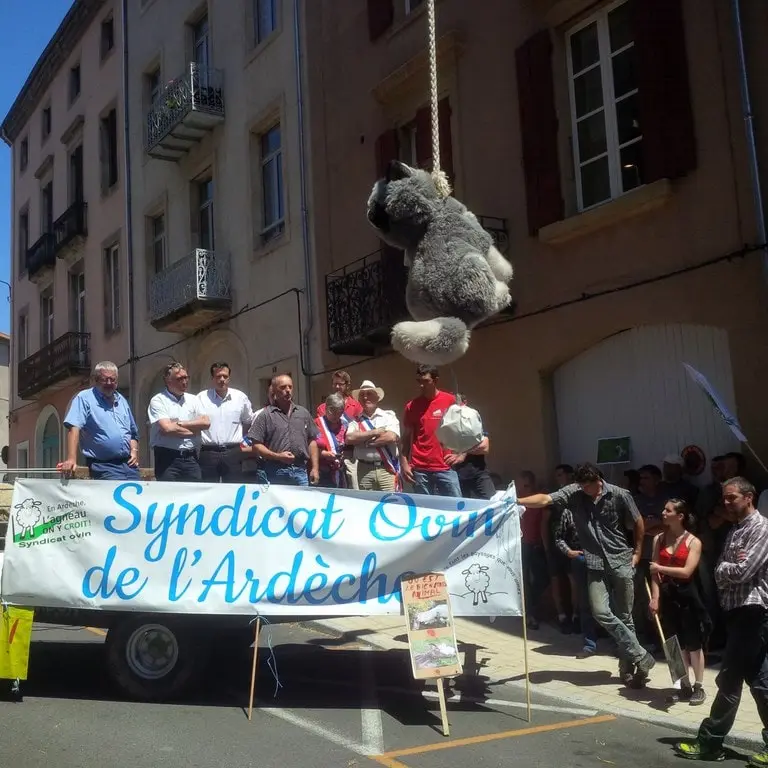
[[340, 704]]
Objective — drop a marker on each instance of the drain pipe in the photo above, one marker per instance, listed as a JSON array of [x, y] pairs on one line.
[[308, 271], [128, 209], [749, 127]]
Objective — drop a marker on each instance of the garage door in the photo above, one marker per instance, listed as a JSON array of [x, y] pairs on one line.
[[634, 384]]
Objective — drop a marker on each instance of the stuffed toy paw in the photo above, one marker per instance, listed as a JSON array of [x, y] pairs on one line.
[[456, 279]]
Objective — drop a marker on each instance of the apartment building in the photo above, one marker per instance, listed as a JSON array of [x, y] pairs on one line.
[[68, 267], [602, 143], [217, 202]]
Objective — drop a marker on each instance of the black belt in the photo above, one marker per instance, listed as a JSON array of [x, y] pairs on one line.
[[219, 448], [185, 454], [113, 460]]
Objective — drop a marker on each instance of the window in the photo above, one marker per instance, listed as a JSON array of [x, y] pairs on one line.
[[107, 36], [23, 240], [76, 190], [46, 317], [202, 43], [205, 214], [23, 155], [272, 184], [74, 83], [22, 337], [108, 136], [45, 122], [50, 445], [77, 299], [412, 5], [46, 207], [157, 239], [406, 144], [112, 289], [22, 456], [607, 143], [153, 87], [265, 19]]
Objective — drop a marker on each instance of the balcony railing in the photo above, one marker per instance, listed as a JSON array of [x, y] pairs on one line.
[[55, 364], [70, 229], [189, 107], [191, 292], [41, 257], [364, 300]]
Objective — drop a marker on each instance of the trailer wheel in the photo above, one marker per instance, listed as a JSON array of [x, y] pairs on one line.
[[152, 659]]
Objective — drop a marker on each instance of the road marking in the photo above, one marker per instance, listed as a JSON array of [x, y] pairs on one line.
[[96, 631], [485, 738], [323, 731], [370, 716], [389, 762]]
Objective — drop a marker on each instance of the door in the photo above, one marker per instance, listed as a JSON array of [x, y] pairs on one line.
[[634, 385], [202, 51], [207, 240], [46, 208], [50, 443]]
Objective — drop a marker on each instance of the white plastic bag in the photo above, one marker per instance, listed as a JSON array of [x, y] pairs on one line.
[[460, 429]]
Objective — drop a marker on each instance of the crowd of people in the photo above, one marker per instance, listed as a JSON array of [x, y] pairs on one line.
[[614, 557]]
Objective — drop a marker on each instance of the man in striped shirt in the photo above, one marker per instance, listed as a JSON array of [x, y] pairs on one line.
[[742, 583]]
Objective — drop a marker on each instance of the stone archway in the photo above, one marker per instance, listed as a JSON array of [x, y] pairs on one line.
[[48, 441]]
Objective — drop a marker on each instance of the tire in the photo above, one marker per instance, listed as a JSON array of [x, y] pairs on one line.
[[153, 658]]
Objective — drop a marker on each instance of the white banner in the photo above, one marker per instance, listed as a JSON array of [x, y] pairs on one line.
[[246, 549]]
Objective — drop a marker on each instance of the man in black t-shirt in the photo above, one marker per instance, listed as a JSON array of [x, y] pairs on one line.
[[474, 477]]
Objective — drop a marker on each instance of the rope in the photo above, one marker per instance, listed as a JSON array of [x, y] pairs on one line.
[[439, 176]]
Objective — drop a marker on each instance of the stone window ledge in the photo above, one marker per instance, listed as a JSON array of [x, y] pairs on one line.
[[634, 203]]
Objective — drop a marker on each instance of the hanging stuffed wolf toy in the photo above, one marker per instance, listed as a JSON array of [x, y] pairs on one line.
[[456, 279]]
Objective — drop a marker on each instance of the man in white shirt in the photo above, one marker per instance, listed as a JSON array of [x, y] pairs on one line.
[[176, 418], [375, 436], [230, 413]]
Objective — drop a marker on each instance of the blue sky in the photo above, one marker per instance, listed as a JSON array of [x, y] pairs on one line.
[[27, 26]]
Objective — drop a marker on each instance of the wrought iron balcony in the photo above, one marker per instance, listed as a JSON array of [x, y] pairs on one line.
[[364, 300], [41, 258], [70, 230], [55, 365], [189, 107], [191, 292]]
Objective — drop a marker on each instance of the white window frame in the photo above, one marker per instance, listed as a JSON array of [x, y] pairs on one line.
[[259, 34], [613, 148], [22, 447], [22, 344], [77, 297], [206, 211], [112, 285], [272, 227], [46, 320], [406, 137]]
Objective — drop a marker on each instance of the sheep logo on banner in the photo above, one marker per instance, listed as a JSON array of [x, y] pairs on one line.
[[477, 581], [28, 515]]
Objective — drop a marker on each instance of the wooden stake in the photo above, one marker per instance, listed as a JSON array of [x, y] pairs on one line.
[[256, 634], [443, 708], [655, 615], [525, 650]]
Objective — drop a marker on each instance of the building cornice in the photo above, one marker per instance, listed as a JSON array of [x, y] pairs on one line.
[[61, 45]]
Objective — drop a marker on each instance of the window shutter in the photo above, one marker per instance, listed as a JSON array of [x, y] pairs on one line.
[[538, 131], [386, 150], [381, 14], [666, 117]]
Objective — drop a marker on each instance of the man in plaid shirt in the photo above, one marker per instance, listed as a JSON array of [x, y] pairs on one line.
[[742, 582]]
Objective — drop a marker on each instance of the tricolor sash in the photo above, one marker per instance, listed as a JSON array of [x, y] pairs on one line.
[[333, 445], [388, 457]]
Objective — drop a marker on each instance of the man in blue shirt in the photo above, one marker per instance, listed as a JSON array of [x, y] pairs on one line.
[[100, 419]]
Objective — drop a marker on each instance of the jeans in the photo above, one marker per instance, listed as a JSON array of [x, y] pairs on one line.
[[479, 486], [745, 661], [441, 483], [222, 466], [286, 474], [172, 466], [614, 590], [112, 470], [588, 625], [535, 577]]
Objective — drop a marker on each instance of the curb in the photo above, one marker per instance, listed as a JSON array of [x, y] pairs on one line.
[[735, 739]]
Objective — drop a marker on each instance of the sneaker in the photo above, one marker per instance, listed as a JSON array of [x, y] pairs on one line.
[[626, 672], [759, 759], [684, 694], [586, 653], [698, 696], [646, 664], [695, 750]]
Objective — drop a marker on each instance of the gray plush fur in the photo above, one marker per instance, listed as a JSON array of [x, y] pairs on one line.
[[456, 279]]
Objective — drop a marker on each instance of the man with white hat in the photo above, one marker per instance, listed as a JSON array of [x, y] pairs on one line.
[[374, 437], [675, 485]]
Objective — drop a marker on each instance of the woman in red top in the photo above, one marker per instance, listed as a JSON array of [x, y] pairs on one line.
[[333, 432], [676, 596]]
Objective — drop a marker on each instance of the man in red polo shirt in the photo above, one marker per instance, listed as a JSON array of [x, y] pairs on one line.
[[424, 462]]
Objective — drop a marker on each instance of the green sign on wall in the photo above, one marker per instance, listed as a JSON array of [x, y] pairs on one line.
[[613, 450]]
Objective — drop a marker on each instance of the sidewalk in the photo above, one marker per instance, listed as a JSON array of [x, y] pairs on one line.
[[554, 671]]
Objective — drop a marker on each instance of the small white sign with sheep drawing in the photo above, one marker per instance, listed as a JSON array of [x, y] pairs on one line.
[[431, 634]]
